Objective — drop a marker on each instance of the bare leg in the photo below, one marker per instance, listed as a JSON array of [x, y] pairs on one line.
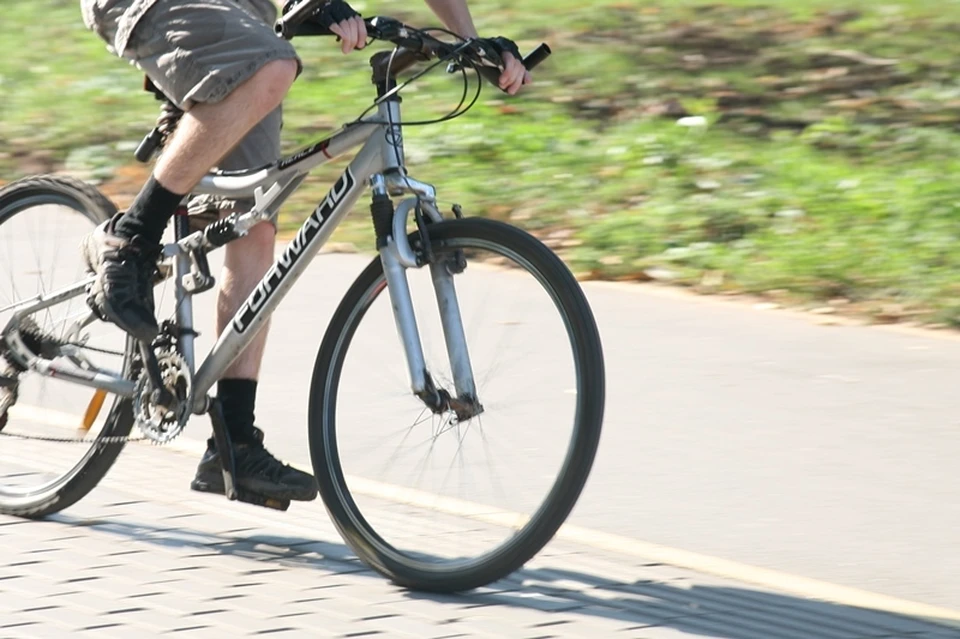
[[208, 132], [205, 134], [245, 263]]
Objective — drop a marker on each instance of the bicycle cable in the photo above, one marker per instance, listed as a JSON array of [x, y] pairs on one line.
[[459, 110]]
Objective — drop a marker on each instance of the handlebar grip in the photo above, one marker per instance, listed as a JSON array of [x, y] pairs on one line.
[[537, 56], [148, 146], [534, 58], [287, 26]]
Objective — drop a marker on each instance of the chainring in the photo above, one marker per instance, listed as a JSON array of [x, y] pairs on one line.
[[161, 424]]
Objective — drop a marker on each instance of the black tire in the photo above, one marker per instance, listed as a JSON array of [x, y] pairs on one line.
[[93, 466], [369, 546]]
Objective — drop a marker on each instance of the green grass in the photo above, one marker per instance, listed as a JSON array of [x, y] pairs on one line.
[[825, 167]]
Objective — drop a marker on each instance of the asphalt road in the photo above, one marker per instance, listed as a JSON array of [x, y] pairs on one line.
[[760, 437]]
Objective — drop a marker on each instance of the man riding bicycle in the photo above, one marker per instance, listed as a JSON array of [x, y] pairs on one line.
[[223, 64]]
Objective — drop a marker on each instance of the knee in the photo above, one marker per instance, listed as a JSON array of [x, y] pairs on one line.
[[276, 78]]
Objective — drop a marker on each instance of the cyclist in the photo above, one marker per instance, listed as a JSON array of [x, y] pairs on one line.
[[221, 62]]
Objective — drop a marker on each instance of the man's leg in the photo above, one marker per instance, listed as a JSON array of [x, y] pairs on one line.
[[184, 162], [245, 263], [207, 132], [228, 72]]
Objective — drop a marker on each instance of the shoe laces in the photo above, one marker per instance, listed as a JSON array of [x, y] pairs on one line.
[[142, 256], [255, 459]]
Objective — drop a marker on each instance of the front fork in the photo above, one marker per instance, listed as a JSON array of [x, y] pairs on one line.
[[396, 256]]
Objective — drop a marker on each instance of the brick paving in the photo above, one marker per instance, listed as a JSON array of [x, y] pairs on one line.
[[143, 556]]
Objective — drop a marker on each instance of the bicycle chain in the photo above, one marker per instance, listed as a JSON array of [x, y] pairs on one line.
[[109, 439]]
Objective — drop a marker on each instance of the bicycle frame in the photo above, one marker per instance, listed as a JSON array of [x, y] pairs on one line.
[[379, 164]]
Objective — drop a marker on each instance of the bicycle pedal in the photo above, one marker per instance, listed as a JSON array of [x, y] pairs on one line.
[[262, 500], [245, 496]]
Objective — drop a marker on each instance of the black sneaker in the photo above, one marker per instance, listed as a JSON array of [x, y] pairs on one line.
[[257, 471], [123, 290]]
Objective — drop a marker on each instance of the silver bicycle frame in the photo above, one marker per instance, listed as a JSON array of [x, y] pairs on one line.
[[379, 164]]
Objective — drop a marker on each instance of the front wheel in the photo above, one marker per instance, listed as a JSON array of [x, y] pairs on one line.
[[432, 502]]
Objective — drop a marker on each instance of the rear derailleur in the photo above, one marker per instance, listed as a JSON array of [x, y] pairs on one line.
[[12, 366]]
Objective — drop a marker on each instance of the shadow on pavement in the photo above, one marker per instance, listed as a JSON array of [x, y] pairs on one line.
[[722, 612]]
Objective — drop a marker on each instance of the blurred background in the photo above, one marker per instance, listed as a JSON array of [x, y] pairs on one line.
[[804, 151]]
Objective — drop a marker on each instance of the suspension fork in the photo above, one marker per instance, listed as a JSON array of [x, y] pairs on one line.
[[396, 256]]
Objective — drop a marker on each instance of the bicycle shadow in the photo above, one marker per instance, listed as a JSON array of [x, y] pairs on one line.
[[718, 611]]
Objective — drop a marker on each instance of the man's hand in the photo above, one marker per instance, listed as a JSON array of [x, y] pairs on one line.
[[352, 32], [456, 16], [514, 74], [339, 18]]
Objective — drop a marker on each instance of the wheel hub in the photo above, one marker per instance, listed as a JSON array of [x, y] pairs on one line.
[[439, 400]]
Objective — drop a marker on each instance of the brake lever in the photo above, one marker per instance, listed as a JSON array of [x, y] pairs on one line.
[[492, 73]]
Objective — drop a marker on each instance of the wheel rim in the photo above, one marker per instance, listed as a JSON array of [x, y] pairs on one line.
[[510, 525]]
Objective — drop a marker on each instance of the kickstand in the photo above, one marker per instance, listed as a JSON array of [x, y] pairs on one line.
[[224, 448]]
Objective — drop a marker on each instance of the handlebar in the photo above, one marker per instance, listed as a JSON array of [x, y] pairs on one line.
[[421, 45]]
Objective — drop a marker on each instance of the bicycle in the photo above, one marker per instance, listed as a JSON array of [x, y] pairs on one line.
[[158, 386]]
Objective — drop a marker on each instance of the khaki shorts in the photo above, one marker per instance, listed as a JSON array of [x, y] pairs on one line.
[[199, 51]]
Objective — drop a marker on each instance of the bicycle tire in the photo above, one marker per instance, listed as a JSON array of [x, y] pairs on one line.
[[541, 528], [78, 481]]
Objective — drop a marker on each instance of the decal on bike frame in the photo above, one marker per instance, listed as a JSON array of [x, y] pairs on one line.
[[296, 248]]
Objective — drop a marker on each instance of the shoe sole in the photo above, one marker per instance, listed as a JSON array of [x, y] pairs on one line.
[[144, 334], [206, 485], [247, 498]]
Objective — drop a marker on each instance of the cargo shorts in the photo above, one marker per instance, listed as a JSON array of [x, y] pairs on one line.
[[199, 51]]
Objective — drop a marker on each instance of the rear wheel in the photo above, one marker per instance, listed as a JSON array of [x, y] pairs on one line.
[[430, 501], [42, 220]]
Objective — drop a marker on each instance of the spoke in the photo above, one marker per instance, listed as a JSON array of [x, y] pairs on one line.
[[423, 464], [41, 285], [450, 426], [404, 429], [408, 430], [13, 284], [501, 350], [494, 478], [457, 456], [7, 266]]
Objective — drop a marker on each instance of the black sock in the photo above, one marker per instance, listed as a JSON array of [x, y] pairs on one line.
[[238, 398], [149, 214]]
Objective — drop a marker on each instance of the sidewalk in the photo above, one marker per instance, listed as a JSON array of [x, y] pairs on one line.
[[144, 556]]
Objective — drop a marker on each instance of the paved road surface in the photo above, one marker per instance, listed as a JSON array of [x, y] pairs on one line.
[[754, 437], [143, 557], [823, 451]]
